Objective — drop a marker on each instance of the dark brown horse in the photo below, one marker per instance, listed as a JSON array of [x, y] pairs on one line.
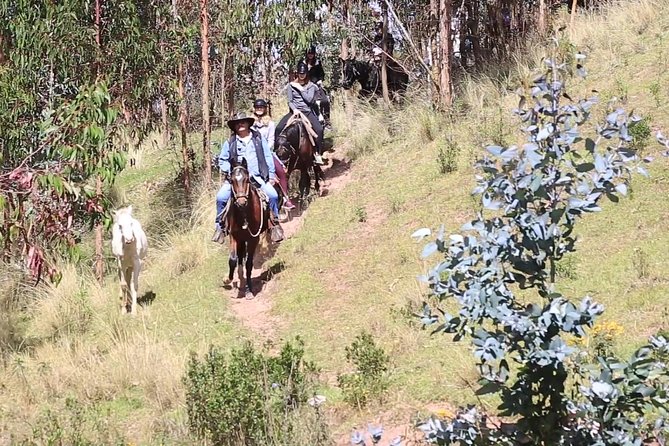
[[247, 218], [295, 150]]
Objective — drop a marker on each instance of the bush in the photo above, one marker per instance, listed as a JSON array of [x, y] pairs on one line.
[[75, 425], [251, 398], [370, 379], [447, 158], [640, 132], [531, 200]]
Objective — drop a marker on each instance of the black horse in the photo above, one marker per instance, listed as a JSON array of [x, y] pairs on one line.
[[369, 77]]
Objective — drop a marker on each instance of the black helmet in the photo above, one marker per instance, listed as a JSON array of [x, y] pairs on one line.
[[302, 68], [311, 50], [260, 103]]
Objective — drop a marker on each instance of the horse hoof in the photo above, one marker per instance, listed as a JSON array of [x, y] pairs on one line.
[[249, 295]]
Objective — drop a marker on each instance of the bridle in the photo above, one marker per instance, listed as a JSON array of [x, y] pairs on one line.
[[248, 184]]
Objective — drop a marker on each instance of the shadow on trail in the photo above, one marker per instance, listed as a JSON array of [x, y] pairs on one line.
[[146, 299]]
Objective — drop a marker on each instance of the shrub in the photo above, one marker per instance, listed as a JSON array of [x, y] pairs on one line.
[[447, 158], [370, 379], [532, 198], [74, 425], [640, 132], [251, 398]]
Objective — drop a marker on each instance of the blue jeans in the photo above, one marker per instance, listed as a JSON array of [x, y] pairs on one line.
[[225, 192]]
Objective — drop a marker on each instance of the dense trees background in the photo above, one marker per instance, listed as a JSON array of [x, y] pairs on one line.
[[82, 81]]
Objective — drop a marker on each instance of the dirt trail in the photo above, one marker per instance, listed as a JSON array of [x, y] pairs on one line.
[[256, 314]]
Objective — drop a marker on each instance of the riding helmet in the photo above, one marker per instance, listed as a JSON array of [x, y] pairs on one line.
[[260, 103], [302, 68], [311, 50]]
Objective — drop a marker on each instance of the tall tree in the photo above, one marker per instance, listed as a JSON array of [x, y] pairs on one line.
[[384, 56], [446, 51], [206, 123]]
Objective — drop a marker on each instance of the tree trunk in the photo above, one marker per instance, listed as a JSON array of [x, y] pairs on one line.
[[542, 17], [182, 127], [224, 61], [230, 84], [206, 122], [99, 255], [384, 56], [445, 82], [573, 16], [165, 121]]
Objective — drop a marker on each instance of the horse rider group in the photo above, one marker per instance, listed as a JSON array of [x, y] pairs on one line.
[[252, 139]]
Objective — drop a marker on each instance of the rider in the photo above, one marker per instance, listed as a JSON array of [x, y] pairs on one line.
[[316, 72], [246, 143], [301, 95], [265, 126], [317, 76]]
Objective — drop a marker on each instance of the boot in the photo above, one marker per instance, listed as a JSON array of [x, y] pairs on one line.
[[276, 231], [220, 234], [288, 205]]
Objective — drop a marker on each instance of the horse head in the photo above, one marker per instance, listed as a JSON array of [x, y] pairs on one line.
[[288, 142], [241, 184], [123, 225]]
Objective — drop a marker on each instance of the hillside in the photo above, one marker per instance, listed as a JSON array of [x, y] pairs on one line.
[[350, 264]]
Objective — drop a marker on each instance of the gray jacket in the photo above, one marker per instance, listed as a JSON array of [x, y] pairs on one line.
[[302, 100]]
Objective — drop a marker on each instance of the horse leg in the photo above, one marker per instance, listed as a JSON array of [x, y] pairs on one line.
[[121, 288], [252, 244], [305, 183], [129, 288], [241, 254], [232, 262], [318, 174], [134, 285]]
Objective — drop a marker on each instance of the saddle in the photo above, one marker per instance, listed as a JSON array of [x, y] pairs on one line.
[[299, 116]]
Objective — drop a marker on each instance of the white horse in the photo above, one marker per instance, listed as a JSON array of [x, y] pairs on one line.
[[129, 246]]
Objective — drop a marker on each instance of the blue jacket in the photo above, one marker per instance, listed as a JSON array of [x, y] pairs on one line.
[[247, 151]]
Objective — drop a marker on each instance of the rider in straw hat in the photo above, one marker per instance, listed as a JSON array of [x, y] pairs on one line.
[[247, 143]]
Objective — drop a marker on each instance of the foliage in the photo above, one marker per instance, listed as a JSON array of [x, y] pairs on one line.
[[375, 434], [359, 214], [59, 123], [640, 132], [72, 426], [247, 397], [533, 197], [370, 379], [448, 156]]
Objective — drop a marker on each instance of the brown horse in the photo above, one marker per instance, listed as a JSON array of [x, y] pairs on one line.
[[295, 150], [247, 218]]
